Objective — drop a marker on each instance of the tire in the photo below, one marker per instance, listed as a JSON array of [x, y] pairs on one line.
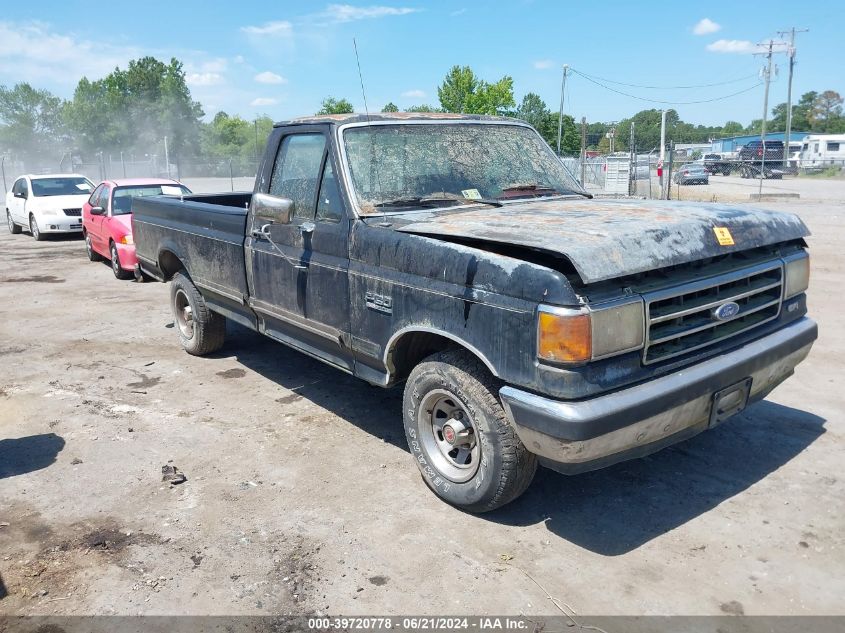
[[201, 331], [726, 172], [14, 228], [93, 255], [33, 229], [493, 467], [115, 263]]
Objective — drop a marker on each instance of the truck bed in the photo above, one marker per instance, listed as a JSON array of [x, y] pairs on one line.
[[204, 234]]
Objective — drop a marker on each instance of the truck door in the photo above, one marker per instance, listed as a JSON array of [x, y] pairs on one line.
[[298, 272]]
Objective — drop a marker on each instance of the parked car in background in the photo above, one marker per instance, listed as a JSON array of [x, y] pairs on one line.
[[753, 152], [47, 204], [716, 164], [107, 219], [692, 174]]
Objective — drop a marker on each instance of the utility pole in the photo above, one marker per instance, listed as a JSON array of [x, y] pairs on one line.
[[767, 71], [791, 53], [560, 113], [583, 151], [661, 166], [632, 169], [166, 158]]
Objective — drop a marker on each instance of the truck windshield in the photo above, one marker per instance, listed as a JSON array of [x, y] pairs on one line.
[[395, 166], [61, 186]]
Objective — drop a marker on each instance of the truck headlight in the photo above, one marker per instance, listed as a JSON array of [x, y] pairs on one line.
[[796, 274], [578, 335]]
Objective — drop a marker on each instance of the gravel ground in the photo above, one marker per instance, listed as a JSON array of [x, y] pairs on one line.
[[301, 496]]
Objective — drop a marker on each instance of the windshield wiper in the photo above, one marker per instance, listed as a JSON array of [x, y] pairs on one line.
[[543, 190], [434, 201]]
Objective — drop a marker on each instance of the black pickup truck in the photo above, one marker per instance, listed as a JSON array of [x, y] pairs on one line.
[[456, 256]]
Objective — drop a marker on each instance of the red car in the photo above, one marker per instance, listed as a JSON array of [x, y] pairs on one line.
[[107, 219]]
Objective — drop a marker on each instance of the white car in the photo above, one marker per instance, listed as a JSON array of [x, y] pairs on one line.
[[51, 203]]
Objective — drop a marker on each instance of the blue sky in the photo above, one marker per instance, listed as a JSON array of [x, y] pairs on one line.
[[282, 58]]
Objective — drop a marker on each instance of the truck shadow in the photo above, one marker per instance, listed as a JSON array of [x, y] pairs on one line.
[[23, 455], [372, 409], [618, 509], [610, 511]]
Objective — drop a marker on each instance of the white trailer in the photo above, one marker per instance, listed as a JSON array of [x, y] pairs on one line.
[[822, 150]]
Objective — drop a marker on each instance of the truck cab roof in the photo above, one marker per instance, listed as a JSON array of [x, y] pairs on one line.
[[359, 117]]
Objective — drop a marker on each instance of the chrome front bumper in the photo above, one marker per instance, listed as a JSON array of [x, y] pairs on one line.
[[633, 422]]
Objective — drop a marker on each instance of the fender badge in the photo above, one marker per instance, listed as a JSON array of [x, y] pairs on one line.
[[723, 236]]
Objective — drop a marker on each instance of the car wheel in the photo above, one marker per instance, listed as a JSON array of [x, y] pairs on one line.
[[116, 268], [93, 255], [14, 229], [34, 230], [201, 331], [461, 440]]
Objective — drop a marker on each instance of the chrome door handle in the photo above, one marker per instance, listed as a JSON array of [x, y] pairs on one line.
[[307, 227]]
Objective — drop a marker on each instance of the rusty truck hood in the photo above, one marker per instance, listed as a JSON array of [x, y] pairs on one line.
[[604, 239]]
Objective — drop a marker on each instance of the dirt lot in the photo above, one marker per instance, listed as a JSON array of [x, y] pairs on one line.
[[301, 496]]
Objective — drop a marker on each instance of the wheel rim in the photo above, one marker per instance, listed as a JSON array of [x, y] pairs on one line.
[[33, 227], [88, 246], [449, 435], [115, 260], [10, 221], [184, 313]]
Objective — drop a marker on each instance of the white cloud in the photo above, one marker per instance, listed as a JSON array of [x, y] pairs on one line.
[[414, 94], [277, 28], [263, 101], [458, 12], [349, 13], [34, 52], [270, 78], [543, 64], [705, 26], [239, 59], [203, 79], [734, 46]]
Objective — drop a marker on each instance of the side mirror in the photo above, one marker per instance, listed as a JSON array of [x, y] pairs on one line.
[[272, 209], [21, 194], [98, 211]]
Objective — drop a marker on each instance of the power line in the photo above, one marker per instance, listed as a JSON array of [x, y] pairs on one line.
[[625, 94], [718, 83]]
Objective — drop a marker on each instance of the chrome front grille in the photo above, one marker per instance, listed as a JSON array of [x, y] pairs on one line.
[[682, 319]]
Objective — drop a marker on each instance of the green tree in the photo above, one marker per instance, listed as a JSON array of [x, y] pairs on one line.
[[732, 128], [390, 107], [422, 108], [31, 123], [330, 105], [463, 92], [533, 110], [826, 110], [134, 109]]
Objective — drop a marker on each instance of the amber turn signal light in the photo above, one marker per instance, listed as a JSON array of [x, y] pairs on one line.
[[564, 336]]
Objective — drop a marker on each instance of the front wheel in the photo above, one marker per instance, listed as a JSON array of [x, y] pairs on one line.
[[201, 331], [116, 268], [14, 229], [34, 230], [460, 438]]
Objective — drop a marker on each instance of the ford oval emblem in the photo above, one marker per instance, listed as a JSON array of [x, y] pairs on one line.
[[726, 311]]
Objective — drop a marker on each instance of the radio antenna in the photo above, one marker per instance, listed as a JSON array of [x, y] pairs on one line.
[[361, 77], [373, 170]]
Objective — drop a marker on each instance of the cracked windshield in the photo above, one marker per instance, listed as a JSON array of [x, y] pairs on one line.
[[400, 167]]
